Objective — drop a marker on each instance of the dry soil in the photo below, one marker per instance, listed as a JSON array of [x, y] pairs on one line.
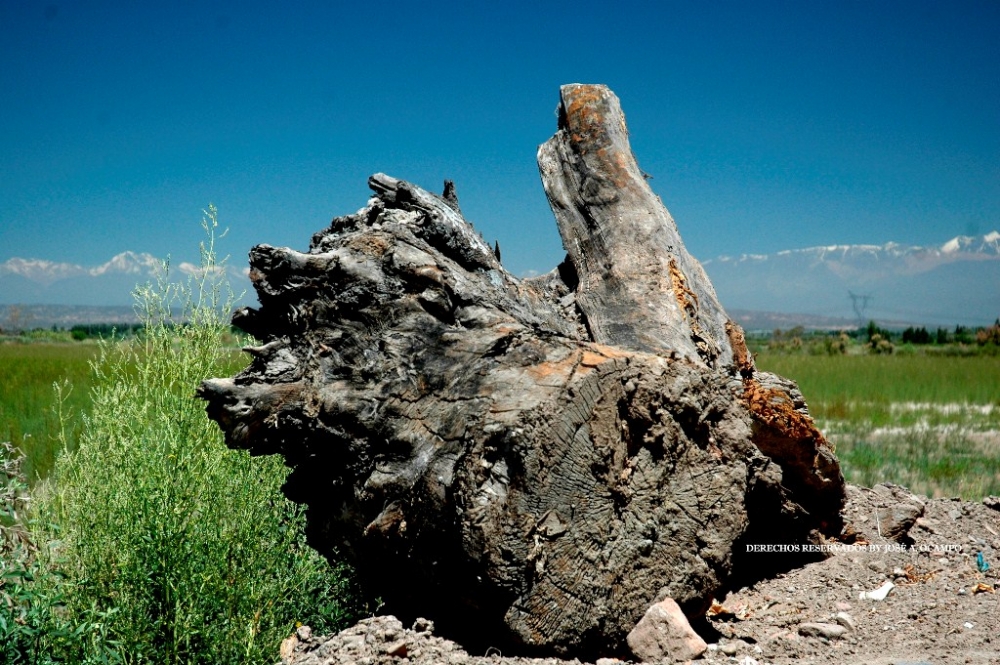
[[941, 556]]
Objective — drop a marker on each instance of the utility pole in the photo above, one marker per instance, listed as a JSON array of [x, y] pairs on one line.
[[859, 310]]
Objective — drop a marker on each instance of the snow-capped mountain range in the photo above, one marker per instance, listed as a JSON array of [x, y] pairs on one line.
[[910, 258], [956, 282], [48, 272], [41, 282]]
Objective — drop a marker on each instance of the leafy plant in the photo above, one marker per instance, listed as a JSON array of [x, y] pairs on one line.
[[33, 630], [186, 549]]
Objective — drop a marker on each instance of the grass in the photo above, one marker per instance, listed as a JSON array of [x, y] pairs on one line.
[[930, 422], [29, 371], [840, 379], [932, 463], [150, 541]]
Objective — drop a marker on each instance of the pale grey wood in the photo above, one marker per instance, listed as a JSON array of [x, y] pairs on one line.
[[527, 462], [639, 287]]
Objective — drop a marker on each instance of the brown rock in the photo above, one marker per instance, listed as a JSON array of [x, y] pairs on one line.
[[287, 649], [397, 649], [827, 630], [664, 633], [899, 511]]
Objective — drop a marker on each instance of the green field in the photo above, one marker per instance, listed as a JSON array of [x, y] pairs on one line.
[[930, 422], [28, 372]]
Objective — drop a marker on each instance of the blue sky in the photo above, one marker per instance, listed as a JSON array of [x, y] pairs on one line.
[[766, 125]]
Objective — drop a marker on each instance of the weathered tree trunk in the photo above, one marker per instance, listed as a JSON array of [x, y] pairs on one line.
[[533, 461], [638, 287]]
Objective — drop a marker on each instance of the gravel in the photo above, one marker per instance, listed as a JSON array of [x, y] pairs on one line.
[[943, 607]]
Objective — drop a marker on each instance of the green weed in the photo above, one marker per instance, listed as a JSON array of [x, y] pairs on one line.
[[33, 628], [186, 550], [930, 462]]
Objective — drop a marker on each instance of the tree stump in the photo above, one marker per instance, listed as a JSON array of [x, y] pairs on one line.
[[529, 462]]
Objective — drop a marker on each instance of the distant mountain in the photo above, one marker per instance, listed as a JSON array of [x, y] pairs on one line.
[[28, 317], [765, 322], [41, 282], [957, 282]]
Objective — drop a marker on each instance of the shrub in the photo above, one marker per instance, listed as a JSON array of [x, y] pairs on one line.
[[964, 335], [872, 330], [82, 331], [989, 335], [880, 345], [33, 629], [837, 346], [187, 549]]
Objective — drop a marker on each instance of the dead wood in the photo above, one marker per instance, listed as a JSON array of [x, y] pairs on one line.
[[531, 461]]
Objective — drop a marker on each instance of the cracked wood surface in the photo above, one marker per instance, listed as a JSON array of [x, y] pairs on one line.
[[531, 463], [639, 288]]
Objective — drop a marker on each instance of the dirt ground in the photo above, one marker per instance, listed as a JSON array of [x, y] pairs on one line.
[[942, 609], [941, 556]]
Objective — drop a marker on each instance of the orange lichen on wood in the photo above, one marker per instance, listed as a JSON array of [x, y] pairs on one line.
[[688, 300], [776, 409], [742, 358], [580, 361], [547, 369], [685, 296], [583, 112], [372, 245], [591, 132], [591, 359], [595, 354]]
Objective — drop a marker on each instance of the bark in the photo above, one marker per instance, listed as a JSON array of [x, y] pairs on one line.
[[638, 286], [530, 462]]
